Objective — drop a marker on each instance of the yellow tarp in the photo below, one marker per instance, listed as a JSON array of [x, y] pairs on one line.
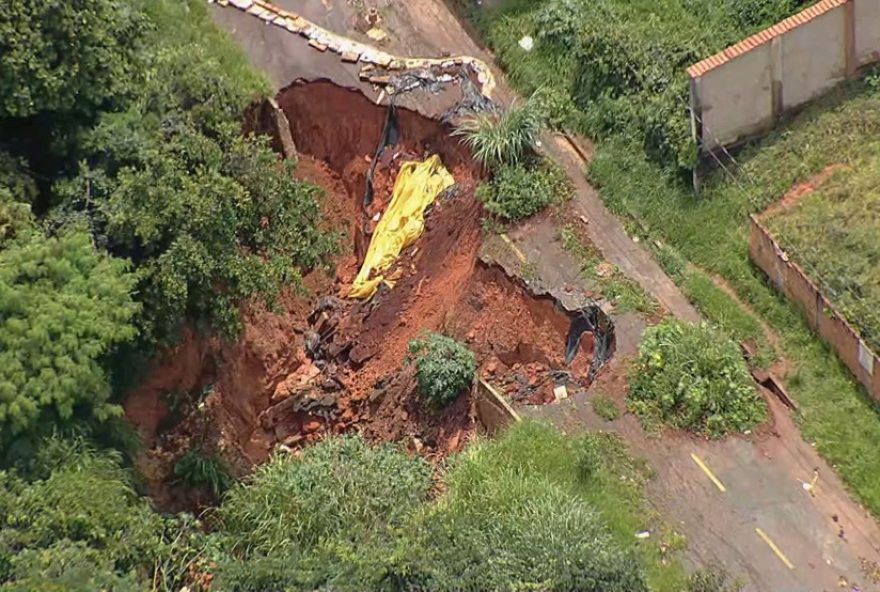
[[416, 186]]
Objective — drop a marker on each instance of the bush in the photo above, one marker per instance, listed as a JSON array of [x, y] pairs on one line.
[[80, 511], [713, 578], [346, 516], [340, 485], [517, 191], [502, 137], [444, 367], [520, 498], [207, 471], [605, 407], [694, 377], [325, 518]]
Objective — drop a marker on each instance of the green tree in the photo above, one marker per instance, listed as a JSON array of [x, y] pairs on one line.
[[67, 56], [444, 367], [208, 217], [79, 497], [63, 307], [15, 217]]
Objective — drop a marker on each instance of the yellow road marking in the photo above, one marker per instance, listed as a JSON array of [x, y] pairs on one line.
[[516, 250], [709, 474], [775, 549]]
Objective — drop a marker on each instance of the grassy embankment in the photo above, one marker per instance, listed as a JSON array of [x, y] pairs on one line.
[[702, 240]]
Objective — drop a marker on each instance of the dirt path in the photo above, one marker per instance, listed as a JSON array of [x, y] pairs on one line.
[[763, 525], [608, 234]]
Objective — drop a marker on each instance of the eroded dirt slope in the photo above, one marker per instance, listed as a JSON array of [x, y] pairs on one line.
[[324, 363]]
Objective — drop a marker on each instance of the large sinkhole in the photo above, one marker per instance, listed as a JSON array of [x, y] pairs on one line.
[[442, 286]]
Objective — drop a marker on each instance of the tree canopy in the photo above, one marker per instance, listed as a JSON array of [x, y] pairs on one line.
[[158, 172], [63, 306], [69, 56]]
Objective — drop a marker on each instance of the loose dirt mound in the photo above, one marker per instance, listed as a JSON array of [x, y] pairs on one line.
[[327, 364]]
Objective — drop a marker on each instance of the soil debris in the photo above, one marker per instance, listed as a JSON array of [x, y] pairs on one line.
[[326, 364]]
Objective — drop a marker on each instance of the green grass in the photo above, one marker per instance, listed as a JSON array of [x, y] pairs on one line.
[[711, 231], [722, 310], [834, 234], [611, 283], [617, 67], [532, 509], [595, 468], [605, 407], [188, 23]]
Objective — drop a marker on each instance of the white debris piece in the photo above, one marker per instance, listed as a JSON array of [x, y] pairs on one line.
[[527, 43], [560, 392]]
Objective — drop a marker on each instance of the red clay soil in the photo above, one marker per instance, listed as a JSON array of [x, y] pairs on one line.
[[328, 364], [800, 190]]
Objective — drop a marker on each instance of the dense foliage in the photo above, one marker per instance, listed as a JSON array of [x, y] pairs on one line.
[[325, 519], [160, 173], [507, 496], [208, 217], [343, 515], [77, 524], [694, 377], [444, 367], [63, 307], [346, 516], [121, 131], [518, 191], [66, 58], [622, 62]]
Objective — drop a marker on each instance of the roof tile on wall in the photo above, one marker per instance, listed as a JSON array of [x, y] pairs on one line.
[[765, 36]]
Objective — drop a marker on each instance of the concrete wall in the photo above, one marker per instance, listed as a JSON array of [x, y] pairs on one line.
[[823, 318], [752, 99], [743, 90], [813, 57], [492, 409], [867, 31]]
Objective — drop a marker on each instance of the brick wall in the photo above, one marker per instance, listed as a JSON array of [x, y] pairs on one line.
[[743, 90], [790, 279]]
